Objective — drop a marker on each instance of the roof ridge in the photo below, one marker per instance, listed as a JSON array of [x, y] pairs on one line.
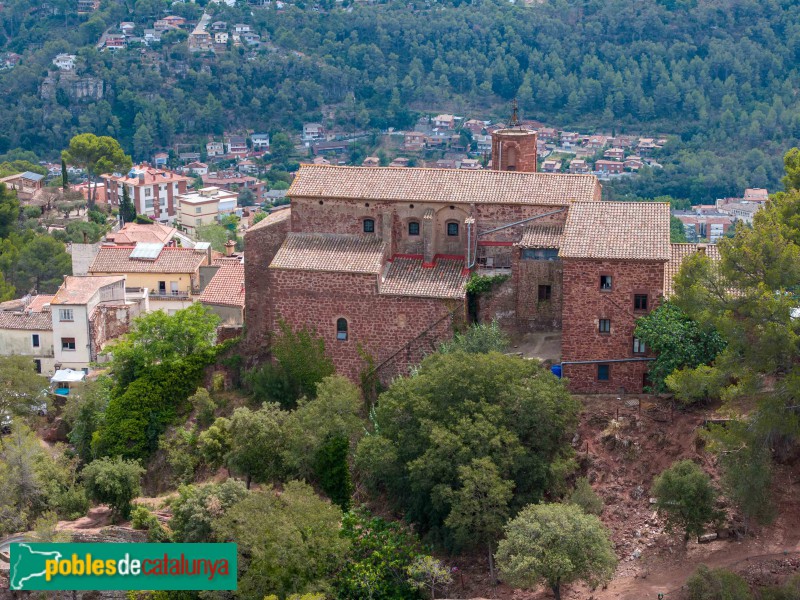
[[440, 169]]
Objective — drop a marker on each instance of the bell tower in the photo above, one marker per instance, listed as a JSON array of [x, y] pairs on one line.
[[514, 148]]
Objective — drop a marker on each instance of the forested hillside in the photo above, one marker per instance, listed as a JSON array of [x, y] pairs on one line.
[[722, 76]]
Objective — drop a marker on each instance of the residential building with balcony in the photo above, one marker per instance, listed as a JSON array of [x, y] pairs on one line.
[[205, 207], [152, 191]]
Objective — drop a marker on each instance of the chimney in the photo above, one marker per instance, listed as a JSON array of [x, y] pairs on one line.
[[229, 247], [701, 249]]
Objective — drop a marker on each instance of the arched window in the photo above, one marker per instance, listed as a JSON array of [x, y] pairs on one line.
[[369, 225], [341, 329], [452, 229], [413, 228]]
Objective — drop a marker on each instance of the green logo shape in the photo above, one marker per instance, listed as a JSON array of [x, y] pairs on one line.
[[99, 566]]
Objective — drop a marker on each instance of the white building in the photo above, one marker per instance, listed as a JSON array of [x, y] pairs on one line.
[[65, 62], [205, 207], [26, 329], [260, 142]]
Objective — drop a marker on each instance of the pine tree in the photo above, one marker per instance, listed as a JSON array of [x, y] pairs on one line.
[[64, 176]]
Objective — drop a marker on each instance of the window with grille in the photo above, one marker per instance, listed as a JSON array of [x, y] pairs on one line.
[[604, 326]]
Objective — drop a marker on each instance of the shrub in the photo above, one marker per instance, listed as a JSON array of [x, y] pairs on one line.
[[584, 496], [480, 338], [115, 482], [684, 494], [719, 584]]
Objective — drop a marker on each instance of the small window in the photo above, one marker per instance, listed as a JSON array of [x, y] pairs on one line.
[[544, 293], [640, 302], [369, 225], [65, 314], [198, 222], [638, 346], [197, 210], [605, 326], [35, 340], [68, 343], [413, 228], [341, 330], [603, 372], [37, 364], [605, 282], [452, 229]]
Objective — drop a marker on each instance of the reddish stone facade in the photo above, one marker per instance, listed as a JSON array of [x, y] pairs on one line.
[[514, 150], [585, 304], [380, 325]]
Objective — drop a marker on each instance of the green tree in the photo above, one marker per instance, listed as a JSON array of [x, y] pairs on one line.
[[677, 232], [678, 341], [719, 584], [196, 507], [127, 210], [276, 553], [115, 482], [429, 573], [215, 442], [686, 497], [20, 386], [213, 233], [64, 176], [281, 147], [96, 155], [459, 408], [480, 338], [42, 264], [584, 496], [257, 443], [556, 544], [9, 210], [84, 413], [333, 471]]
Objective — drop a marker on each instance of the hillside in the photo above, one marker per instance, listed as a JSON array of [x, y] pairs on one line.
[[723, 77]]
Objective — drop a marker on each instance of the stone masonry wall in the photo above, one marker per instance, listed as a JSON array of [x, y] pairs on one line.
[[381, 325], [261, 244], [585, 304], [534, 314]]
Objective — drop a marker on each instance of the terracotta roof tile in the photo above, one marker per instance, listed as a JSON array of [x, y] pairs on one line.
[[330, 252], [38, 302], [407, 277], [617, 230], [80, 289], [35, 321], [272, 218], [132, 233], [679, 253], [116, 259], [541, 236], [442, 185], [226, 288]]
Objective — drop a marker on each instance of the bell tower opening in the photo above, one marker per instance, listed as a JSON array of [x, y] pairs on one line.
[[514, 147]]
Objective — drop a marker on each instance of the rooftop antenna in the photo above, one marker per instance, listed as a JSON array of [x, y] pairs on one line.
[[514, 116]]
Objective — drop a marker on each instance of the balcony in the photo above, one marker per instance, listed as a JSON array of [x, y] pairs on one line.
[[170, 295]]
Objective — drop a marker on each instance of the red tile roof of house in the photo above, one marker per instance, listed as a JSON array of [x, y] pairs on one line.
[[679, 253], [151, 176], [541, 236], [442, 185], [80, 289], [330, 252], [274, 217], [37, 303], [407, 277], [226, 288], [617, 230], [116, 259], [132, 233], [35, 321]]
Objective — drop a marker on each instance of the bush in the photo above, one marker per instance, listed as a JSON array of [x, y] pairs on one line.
[[204, 406], [584, 496], [719, 584], [478, 339], [333, 472], [142, 518], [685, 494], [196, 507], [115, 482]]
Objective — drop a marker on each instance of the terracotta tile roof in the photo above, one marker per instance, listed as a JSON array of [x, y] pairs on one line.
[[617, 230], [79, 290], [442, 185], [116, 259], [407, 277], [330, 252], [271, 218], [541, 236], [36, 321], [679, 253], [132, 233], [226, 288], [151, 176], [37, 303]]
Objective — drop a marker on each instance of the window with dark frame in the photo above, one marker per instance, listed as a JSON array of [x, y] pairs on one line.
[[604, 326], [545, 292], [452, 229], [37, 364], [341, 329], [605, 282], [638, 346], [369, 225], [640, 302], [413, 228], [35, 340], [68, 343], [603, 372]]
